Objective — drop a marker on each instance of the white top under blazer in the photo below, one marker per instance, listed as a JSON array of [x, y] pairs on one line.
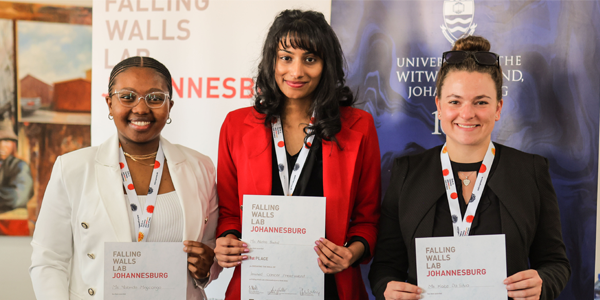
[[167, 218], [84, 207]]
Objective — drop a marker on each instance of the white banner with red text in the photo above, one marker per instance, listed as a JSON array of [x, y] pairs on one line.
[[211, 48]]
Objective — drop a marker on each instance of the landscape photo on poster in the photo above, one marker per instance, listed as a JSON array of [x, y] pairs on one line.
[[52, 107]]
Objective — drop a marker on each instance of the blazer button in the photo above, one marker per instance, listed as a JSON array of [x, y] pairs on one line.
[[85, 225], [205, 220], [91, 255], [91, 292]]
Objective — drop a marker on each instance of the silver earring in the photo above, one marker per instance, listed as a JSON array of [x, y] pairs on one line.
[[169, 120], [110, 117]]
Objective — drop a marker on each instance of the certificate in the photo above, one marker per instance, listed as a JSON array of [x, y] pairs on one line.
[[468, 267], [145, 271], [281, 233]]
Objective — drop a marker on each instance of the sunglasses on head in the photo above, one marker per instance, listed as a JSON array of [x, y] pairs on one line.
[[481, 57]]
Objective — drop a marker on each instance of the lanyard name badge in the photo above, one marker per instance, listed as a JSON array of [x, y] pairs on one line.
[[288, 185], [142, 216], [463, 226]]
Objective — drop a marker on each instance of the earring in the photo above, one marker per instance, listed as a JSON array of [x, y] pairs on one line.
[[169, 120], [110, 117]]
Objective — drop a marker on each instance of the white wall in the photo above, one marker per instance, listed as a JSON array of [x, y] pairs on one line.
[[15, 258]]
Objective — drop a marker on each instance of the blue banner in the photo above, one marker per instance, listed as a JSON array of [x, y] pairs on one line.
[[549, 58]]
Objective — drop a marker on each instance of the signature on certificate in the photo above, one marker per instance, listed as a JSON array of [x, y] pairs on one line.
[[277, 291], [309, 292]]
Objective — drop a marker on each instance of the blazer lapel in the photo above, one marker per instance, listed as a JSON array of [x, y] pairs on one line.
[[258, 141], [510, 193], [186, 186], [338, 174], [417, 212], [110, 187]]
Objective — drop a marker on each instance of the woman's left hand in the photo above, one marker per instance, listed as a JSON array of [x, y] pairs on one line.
[[200, 258], [524, 285], [333, 258]]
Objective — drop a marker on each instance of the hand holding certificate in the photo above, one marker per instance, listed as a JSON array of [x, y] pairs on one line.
[[280, 232], [333, 258], [200, 259], [524, 284]]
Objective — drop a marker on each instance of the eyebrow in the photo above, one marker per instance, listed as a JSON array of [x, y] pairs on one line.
[[135, 91], [476, 97]]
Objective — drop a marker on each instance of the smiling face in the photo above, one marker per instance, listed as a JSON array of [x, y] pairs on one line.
[[297, 72], [468, 108], [139, 124]]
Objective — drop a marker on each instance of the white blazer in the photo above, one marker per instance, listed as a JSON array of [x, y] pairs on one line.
[[84, 207]]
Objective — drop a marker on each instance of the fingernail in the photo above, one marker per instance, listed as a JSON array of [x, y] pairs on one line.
[[505, 281], [317, 243], [321, 239], [246, 250], [316, 249], [239, 262], [244, 257], [244, 245], [185, 249], [419, 291]]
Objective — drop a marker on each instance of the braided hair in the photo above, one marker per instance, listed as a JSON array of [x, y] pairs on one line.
[[141, 62]]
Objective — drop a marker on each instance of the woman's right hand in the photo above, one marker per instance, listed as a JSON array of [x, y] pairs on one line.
[[402, 290], [228, 251]]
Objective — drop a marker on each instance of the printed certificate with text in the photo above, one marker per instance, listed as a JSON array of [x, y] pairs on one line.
[[281, 232], [466, 267], [145, 271]]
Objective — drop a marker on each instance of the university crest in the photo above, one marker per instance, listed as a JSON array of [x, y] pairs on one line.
[[458, 19]]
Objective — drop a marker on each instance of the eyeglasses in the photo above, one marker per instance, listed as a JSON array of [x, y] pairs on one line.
[[131, 99], [481, 57]]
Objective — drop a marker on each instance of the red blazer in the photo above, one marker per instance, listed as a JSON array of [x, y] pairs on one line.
[[351, 183]]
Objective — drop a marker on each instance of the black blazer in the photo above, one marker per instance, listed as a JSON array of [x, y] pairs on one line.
[[528, 212]]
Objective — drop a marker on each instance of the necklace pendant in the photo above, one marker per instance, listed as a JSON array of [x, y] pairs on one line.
[[466, 181]]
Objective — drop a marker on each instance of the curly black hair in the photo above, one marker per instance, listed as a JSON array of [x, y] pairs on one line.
[[309, 31]]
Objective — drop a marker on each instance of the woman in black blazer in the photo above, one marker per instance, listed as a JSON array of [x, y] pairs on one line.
[[517, 199]]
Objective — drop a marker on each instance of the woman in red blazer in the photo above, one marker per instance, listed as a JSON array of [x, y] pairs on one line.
[[301, 87]]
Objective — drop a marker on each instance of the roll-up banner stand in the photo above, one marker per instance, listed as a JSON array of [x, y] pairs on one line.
[[550, 90], [211, 48]]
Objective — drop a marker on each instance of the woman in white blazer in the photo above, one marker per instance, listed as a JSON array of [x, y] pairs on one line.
[[95, 194]]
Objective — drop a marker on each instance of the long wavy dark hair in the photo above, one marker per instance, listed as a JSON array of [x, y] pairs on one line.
[[309, 31]]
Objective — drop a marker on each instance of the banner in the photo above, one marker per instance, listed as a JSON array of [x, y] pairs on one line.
[[211, 48], [550, 90]]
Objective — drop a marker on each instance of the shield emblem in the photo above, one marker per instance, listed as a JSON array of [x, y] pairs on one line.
[[458, 19]]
